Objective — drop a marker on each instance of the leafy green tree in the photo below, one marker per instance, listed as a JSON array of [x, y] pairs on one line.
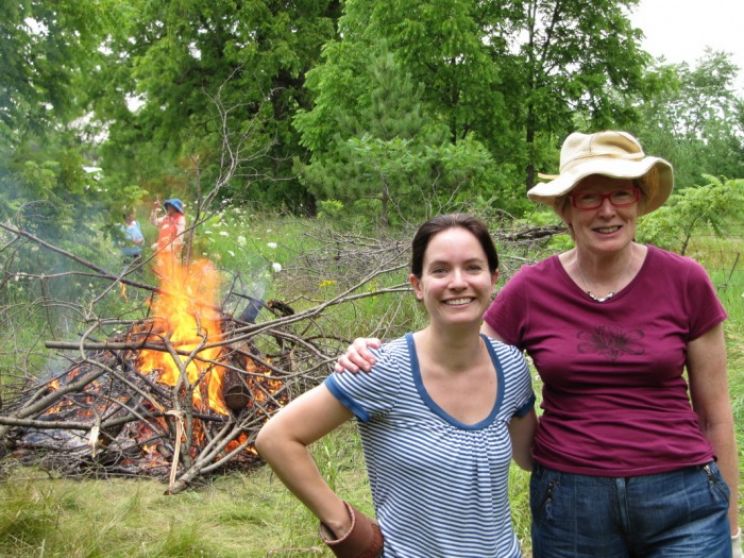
[[438, 47], [179, 59], [444, 47], [697, 120], [519, 75], [514, 77], [48, 50], [390, 158], [573, 64]]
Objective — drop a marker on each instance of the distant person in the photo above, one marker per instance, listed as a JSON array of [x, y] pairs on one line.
[[633, 457], [133, 238], [441, 417], [171, 226]]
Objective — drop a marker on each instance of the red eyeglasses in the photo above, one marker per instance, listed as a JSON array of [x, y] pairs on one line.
[[594, 200]]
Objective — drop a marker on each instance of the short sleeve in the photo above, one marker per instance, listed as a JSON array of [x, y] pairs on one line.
[[373, 393], [704, 307], [507, 314]]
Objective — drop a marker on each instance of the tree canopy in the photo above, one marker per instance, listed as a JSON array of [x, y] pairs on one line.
[[374, 105]]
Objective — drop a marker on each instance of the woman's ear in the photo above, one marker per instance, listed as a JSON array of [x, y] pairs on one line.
[[494, 278], [416, 284], [564, 212]]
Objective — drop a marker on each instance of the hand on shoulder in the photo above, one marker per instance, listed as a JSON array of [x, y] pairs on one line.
[[358, 357]]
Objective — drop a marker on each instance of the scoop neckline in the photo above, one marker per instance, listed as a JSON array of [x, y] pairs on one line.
[[439, 411], [619, 294]]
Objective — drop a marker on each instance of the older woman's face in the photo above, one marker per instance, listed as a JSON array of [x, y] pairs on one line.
[[611, 226]]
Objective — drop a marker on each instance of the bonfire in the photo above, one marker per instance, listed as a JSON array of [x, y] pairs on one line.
[[177, 395]]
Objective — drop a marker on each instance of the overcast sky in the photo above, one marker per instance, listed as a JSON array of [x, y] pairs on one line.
[[681, 29]]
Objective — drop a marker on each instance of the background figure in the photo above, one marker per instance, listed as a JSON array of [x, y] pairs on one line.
[[133, 238], [440, 419], [626, 464], [171, 227]]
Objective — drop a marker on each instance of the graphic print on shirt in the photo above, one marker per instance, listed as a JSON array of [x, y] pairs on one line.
[[612, 342]]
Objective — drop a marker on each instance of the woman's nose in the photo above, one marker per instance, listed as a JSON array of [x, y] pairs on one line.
[[606, 208], [457, 279]]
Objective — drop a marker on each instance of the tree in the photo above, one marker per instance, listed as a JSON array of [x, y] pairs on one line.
[[697, 120], [573, 64], [173, 56], [48, 49], [439, 46], [514, 77], [387, 156]]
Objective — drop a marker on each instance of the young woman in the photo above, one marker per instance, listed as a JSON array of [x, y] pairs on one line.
[[439, 423]]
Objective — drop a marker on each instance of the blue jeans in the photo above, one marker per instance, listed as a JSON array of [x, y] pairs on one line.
[[680, 514]]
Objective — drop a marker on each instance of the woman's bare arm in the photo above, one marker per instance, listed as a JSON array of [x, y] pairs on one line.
[[706, 368], [283, 441]]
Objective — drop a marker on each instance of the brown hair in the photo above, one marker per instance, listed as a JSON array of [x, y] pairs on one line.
[[441, 223]]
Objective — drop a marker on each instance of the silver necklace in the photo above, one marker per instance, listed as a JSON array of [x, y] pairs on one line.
[[604, 298], [589, 293]]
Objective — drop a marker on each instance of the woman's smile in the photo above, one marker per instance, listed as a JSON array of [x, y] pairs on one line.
[[459, 301]]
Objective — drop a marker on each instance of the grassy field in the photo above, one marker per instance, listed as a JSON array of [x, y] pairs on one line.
[[250, 514], [245, 514]]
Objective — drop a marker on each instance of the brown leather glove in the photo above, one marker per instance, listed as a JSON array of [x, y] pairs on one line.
[[363, 540]]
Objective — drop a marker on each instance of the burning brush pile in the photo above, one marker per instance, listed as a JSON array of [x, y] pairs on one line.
[[177, 395]]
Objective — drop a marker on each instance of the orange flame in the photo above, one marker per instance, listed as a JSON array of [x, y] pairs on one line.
[[187, 310]]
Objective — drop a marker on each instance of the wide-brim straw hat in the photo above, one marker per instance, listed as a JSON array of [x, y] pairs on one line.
[[608, 153]]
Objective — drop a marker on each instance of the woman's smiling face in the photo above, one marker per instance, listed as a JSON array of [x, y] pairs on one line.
[[607, 228], [456, 283]]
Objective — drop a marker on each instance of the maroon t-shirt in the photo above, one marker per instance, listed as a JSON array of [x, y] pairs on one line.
[[615, 402]]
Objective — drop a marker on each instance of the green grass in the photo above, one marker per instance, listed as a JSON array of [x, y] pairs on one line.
[[235, 515]]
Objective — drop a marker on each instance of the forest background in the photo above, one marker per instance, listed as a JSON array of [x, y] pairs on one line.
[[290, 124]]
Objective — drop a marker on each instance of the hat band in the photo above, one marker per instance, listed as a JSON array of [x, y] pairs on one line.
[[578, 159]]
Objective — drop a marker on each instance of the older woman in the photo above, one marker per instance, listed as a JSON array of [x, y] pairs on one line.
[[625, 463]]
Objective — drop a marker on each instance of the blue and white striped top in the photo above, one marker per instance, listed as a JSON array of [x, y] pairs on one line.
[[439, 486]]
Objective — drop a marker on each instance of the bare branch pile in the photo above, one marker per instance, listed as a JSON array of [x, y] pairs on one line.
[[104, 415]]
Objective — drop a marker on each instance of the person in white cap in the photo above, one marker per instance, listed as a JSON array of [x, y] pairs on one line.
[[625, 463]]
